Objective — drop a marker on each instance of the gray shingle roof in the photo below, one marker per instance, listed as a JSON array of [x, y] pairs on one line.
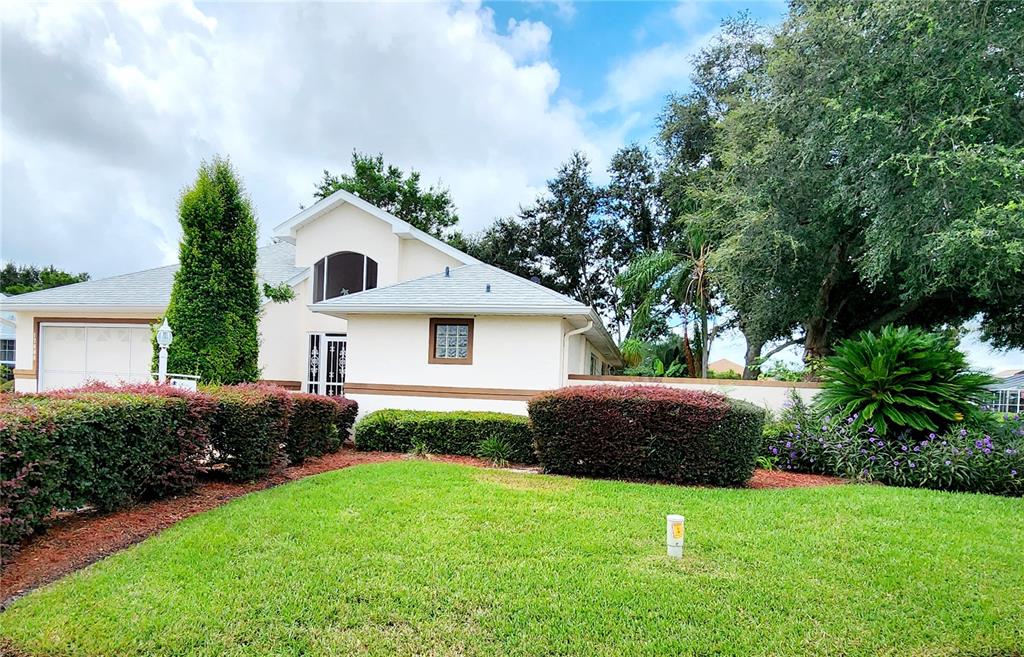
[[150, 288], [463, 289]]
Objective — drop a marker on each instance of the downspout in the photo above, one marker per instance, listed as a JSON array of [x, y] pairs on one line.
[[565, 350]]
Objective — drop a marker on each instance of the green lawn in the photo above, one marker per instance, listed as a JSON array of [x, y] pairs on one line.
[[434, 559]]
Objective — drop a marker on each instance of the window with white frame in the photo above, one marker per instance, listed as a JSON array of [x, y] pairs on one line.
[[7, 351], [595, 365], [345, 272]]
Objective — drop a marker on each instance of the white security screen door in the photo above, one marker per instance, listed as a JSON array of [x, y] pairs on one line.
[[325, 370]]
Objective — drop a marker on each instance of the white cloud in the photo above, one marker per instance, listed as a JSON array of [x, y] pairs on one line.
[[108, 109], [652, 73]]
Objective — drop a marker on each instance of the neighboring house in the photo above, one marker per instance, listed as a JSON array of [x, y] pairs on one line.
[[385, 312], [1009, 391], [8, 335], [723, 365]]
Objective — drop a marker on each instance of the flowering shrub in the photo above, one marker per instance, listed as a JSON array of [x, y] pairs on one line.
[[987, 457], [647, 432]]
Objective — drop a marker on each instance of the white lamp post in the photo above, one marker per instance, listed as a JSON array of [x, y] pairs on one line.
[[163, 338]]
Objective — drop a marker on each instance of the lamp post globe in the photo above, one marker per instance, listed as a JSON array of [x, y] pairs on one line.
[[164, 336]]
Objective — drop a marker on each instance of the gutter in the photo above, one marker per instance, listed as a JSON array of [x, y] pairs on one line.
[[563, 374]]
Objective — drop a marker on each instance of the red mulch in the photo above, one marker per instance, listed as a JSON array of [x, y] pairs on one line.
[[780, 479], [76, 541]]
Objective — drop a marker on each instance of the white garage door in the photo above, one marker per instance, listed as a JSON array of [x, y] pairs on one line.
[[71, 354]]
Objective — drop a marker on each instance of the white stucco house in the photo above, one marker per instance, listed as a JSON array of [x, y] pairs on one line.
[[8, 336], [382, 311]]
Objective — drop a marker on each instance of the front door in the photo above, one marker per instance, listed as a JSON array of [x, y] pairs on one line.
[[325, 370]]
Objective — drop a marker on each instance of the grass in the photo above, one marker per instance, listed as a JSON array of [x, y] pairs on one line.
[[434, 559]]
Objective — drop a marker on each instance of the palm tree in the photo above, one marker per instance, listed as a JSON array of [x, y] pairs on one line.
[[678, 274]]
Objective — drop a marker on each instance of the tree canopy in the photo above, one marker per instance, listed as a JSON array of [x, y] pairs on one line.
[[215, 300], [389, 188], [19, 279]]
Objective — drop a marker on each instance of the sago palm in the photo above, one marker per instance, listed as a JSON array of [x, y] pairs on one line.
[[901, 378]]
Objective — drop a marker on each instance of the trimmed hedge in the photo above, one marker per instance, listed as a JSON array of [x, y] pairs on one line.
[[318, 425], [647, 432], [249, 429], [105, 449], [444, 432], [111, 447]]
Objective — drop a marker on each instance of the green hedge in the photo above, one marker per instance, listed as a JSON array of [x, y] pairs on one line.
[[318, 425], [647, 432], [111, 447], [465, 433], [249, 429], [104, 449]]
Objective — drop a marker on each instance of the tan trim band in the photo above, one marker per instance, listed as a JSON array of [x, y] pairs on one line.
[[702, 382], [402, 390], [24, 374], [283, 383]]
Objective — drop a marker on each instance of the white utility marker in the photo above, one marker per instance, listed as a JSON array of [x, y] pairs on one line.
[[675, 534]]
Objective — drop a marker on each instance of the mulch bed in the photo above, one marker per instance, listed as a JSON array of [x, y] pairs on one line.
[[780, 479], [75, 541]]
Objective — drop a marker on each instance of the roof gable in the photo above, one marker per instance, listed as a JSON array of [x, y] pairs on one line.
[[402, 229]]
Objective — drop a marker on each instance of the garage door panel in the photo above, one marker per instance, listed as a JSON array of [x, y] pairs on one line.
[[142, 354], [66, 346], [75, 354], [108, 350]]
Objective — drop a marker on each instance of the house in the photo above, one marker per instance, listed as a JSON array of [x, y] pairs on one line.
[[382, 311], [723, 365], [8, 335]]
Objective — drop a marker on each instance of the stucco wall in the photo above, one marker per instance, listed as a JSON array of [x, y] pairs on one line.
[[347, 228], [417, 259], [508, 352], [767, 394], [370, 403]]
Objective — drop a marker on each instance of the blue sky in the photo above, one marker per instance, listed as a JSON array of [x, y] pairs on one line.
[[590, 41]]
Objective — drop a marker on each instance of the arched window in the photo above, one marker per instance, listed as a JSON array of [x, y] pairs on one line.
[[343, 273]]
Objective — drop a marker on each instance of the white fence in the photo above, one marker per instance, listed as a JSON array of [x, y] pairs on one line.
[[766, 394]]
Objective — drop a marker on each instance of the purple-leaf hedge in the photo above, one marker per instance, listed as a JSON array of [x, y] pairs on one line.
[[647, 432], [109, 447]]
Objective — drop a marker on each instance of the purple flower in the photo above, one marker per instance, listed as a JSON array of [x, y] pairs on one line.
[[896, 463], [916, 448], [948, 462], [871, 458], [977, 443], [871, 429], [904, 448], [931, 436], [913, 465], [789, 444], [775, 450], [963, 432], [1013, 473]]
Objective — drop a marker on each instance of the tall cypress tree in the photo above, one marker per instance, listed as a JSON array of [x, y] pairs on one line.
[[215, 301]]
